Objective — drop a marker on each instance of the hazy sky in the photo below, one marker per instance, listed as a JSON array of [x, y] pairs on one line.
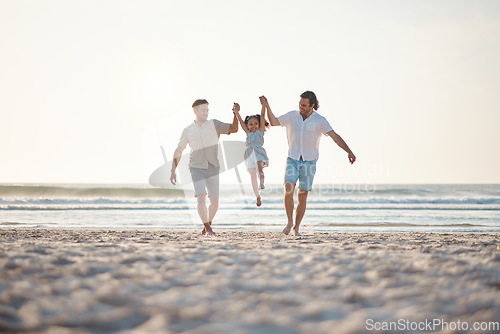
[[89, 89]]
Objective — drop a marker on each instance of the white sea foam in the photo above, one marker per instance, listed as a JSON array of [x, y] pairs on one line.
[[330, 207]]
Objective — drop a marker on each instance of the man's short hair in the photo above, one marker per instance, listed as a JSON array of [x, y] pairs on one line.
[[312, 98], [199, 102]]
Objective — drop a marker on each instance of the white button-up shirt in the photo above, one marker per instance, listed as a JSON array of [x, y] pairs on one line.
[[304, 135], [204, 142]]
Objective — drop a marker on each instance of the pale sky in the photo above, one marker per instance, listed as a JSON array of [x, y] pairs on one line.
[[412, 86]]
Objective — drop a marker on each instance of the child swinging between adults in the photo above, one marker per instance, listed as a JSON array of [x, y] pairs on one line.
[[304, 128]]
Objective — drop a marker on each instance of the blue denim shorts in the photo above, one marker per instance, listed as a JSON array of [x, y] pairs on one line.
[[300, 170]]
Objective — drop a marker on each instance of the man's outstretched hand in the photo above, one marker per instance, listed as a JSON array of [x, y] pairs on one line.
[[352, 157]]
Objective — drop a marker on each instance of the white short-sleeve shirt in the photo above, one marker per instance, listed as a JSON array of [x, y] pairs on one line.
[[304, 135], [203, 141]]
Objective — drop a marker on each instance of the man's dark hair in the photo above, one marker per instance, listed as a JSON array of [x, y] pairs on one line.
[[258, 119], [199, 102], [312, 99]]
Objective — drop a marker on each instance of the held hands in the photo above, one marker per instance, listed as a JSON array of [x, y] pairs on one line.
[[236, 108], [263, 100]]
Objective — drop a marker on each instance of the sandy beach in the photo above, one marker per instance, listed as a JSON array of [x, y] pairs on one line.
[[144, 281]]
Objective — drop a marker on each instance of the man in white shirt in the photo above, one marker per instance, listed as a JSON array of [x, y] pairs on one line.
[[304, 128], [203, 139]]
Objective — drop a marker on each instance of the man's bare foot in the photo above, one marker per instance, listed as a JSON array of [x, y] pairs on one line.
[[204, 229], [288, 228], [208, 229], [262, 186], [296, 232], [259, 203]]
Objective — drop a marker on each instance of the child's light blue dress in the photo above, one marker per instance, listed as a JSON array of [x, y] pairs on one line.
[[255, 152]]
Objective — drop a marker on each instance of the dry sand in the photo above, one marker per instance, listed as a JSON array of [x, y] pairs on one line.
[[100, 281]]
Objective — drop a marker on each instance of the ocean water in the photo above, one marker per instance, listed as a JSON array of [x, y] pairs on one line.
[[339, 208]]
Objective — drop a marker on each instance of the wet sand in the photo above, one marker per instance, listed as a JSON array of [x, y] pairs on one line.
[[108, 281]]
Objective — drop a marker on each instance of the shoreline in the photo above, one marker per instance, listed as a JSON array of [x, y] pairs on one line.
[[129, 280], [273, 232]]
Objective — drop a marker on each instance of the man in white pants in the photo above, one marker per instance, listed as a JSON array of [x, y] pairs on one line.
[[304, 128], [203, 139]]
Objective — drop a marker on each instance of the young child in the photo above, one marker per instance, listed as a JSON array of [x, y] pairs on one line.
[[255, 155]]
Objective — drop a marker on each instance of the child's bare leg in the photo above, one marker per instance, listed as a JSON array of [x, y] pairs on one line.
[[253, 177], [260, 168]]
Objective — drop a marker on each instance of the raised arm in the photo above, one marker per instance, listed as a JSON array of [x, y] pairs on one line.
[[272, 119], [263, 119], [234, 126], [236, 111], [342, 144]]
